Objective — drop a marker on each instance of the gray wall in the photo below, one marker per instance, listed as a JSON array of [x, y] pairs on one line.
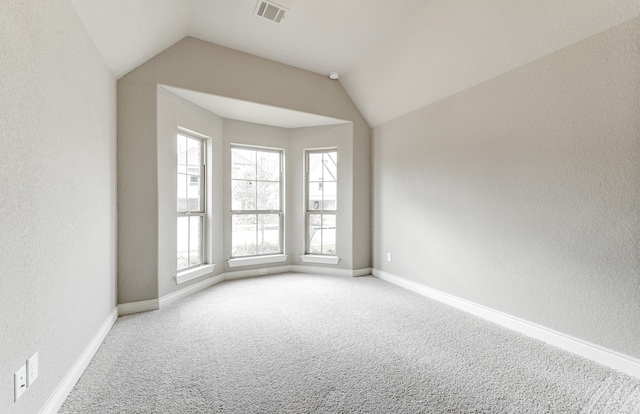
[[522, 194], [58, 194], [174, 112], [201, 66]]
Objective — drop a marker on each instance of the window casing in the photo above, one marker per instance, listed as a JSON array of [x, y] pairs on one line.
[[257, 189], [191, 201], [321, 193]]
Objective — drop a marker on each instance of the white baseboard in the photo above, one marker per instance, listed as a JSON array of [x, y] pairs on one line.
[[69, 381], [189, 290], [137, 307], [599, 354], [242, 274], [330, 271]]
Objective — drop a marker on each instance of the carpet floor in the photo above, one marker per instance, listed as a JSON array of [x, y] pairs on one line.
[[299, 343]]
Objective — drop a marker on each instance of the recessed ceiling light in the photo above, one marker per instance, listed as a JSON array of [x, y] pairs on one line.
[[334, 75]]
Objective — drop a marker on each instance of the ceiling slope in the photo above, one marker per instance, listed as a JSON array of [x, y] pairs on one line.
[[451, 45], [129, 32], [319, 36]]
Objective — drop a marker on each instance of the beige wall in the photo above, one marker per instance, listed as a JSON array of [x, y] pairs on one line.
[[201, 66], [58, 194], [340, 137], [521, 194], [173, 113]]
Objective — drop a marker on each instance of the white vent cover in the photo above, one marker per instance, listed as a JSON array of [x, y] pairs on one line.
[[270, 10]]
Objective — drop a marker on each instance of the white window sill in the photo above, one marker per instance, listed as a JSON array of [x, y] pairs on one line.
[[190, 274], [313, 258], [257, 260]]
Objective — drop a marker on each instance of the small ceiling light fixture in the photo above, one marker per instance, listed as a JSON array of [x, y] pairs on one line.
[[334, 75]]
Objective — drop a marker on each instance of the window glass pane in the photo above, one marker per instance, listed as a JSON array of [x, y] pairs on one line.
[[315, 166], [315, 233], [193, 155], [315, 195], [182, 192], [193, 193], [243, 195], [330, 195], [243, 164], [268, 166], [268, 196], [330, 160], [195, 231], [182, 154], [268, 233], [183, 242], [243, 235], [328, 234]]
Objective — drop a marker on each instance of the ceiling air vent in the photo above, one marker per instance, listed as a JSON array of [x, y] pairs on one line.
[[271, 11]]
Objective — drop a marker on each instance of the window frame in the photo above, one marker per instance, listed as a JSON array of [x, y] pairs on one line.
[[246, 212], [201, 211], [308, 255]]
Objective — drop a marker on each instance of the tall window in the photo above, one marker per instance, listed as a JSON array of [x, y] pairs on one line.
[[321, 194], [256, 201], [191, 201]]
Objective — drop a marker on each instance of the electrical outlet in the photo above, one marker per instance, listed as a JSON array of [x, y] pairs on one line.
[[388, 256], [32, 369], [19, 382], [263, 272]]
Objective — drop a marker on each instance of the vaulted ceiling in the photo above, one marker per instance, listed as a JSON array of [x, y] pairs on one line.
[[393, 56]]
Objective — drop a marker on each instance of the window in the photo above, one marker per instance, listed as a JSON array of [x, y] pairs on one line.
[[191, 201], [256, 201], [321, 201]]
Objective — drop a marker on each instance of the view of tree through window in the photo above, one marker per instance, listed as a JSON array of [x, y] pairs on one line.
[[322, 195], [190, 199], [256, 201]]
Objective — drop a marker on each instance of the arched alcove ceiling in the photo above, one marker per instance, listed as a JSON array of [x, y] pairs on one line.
[[253, 112]]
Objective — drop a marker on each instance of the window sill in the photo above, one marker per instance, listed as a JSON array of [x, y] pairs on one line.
[[313, 258], [257, 260], [190, 274]]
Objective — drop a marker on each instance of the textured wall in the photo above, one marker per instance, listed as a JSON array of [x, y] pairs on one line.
[[450, 45], [523, 194], [57, 194], [201, 66]]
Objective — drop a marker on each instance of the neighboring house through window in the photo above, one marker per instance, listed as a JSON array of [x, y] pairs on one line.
[[191, 200], [321, 201], [257, 215]]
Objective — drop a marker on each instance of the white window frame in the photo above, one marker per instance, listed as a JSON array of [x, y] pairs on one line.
[[201, 211], [318, 257], [259, 258]]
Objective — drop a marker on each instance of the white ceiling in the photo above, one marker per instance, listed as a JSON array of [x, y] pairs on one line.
[[253, 112], [394, 56], [316, 35]]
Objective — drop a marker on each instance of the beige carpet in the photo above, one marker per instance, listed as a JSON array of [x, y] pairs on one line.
[[297, 343]]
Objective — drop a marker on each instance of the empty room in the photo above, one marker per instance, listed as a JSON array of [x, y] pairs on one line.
[[306, 206]]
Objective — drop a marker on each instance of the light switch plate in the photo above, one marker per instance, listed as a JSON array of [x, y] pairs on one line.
[[32, 369], [19, 382]]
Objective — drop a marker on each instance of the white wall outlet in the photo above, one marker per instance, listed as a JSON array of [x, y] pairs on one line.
[[19, 382], [263, 272], [388, 256], [32, 369]]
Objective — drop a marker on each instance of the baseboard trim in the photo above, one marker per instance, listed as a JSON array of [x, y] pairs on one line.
[[597, 353], [137, 307], [330, 271], [189, 290], [242, 274], [155, 304], [69, 381]]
